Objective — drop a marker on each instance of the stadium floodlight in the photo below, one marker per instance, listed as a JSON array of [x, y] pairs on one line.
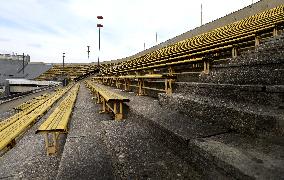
[[99, 26]]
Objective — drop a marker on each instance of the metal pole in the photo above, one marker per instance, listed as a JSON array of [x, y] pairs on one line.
[[99, 38], [201, 14], [99, 46], [88, 51], [63, 63], [23, 63], [156, 37]]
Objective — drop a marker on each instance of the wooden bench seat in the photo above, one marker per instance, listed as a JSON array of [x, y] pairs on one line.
[[110, 100], [126, 82], [27, 104], [57, 122], [14, 127]]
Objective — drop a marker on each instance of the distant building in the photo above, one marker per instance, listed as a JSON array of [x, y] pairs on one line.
[[15, 57]]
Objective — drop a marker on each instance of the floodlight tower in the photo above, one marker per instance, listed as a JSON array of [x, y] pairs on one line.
[[99, 25]]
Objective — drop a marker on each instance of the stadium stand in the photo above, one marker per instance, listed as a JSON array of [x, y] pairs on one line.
[[196, 55], [220, 112], [72, 71], [231, 37]]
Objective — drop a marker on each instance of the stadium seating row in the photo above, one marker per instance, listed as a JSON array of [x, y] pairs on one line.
[[110, 100], [14, 126], [201, 48], [126, 81], [72, 71], [57, 122], [30, 102]]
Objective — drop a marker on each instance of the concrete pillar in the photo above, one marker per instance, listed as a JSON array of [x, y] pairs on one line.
[[7, 88]]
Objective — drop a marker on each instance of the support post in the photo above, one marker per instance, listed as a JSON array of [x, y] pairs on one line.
[[118, 116], [206, 67], [275, 31], [171, 71], [104, 106], [257, 41], [141, 90], [234, 52], [168, 86]]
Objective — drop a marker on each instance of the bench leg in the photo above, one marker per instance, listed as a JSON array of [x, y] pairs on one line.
[[141, 91], [168, 86], [118, 116], [104, 106], [11, 144], [51, 147]]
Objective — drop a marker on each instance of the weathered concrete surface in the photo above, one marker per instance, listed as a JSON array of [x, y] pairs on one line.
[[244, 118], [28, 159], [221, 154], [98, 147], [264, 66], [140, 155], [238, 157], [85, 155]]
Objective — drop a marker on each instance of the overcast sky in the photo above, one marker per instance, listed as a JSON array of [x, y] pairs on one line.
[[46, 28]]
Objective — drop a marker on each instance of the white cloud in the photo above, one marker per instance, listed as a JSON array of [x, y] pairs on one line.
[[45, 29]]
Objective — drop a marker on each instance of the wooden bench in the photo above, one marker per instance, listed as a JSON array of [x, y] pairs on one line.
[[27, 104], [110, 100], [57, 122], [126, 82], [15, 126]]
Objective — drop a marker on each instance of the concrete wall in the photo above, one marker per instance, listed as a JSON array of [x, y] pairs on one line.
[[13, 69], [19, 89], [234, 16]]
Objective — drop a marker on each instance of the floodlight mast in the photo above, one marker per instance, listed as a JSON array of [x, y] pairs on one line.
[[99, 26]]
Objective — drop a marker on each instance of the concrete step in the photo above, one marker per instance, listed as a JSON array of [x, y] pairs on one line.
[[138, 154], [237, 156], [262, 66], [241, 117], [263, 95], [208, 147]]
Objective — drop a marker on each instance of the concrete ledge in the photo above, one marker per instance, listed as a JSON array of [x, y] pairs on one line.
[[253, 120], [238, 157]]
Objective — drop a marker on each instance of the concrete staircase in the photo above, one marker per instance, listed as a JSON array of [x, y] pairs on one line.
[[245, 97]]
